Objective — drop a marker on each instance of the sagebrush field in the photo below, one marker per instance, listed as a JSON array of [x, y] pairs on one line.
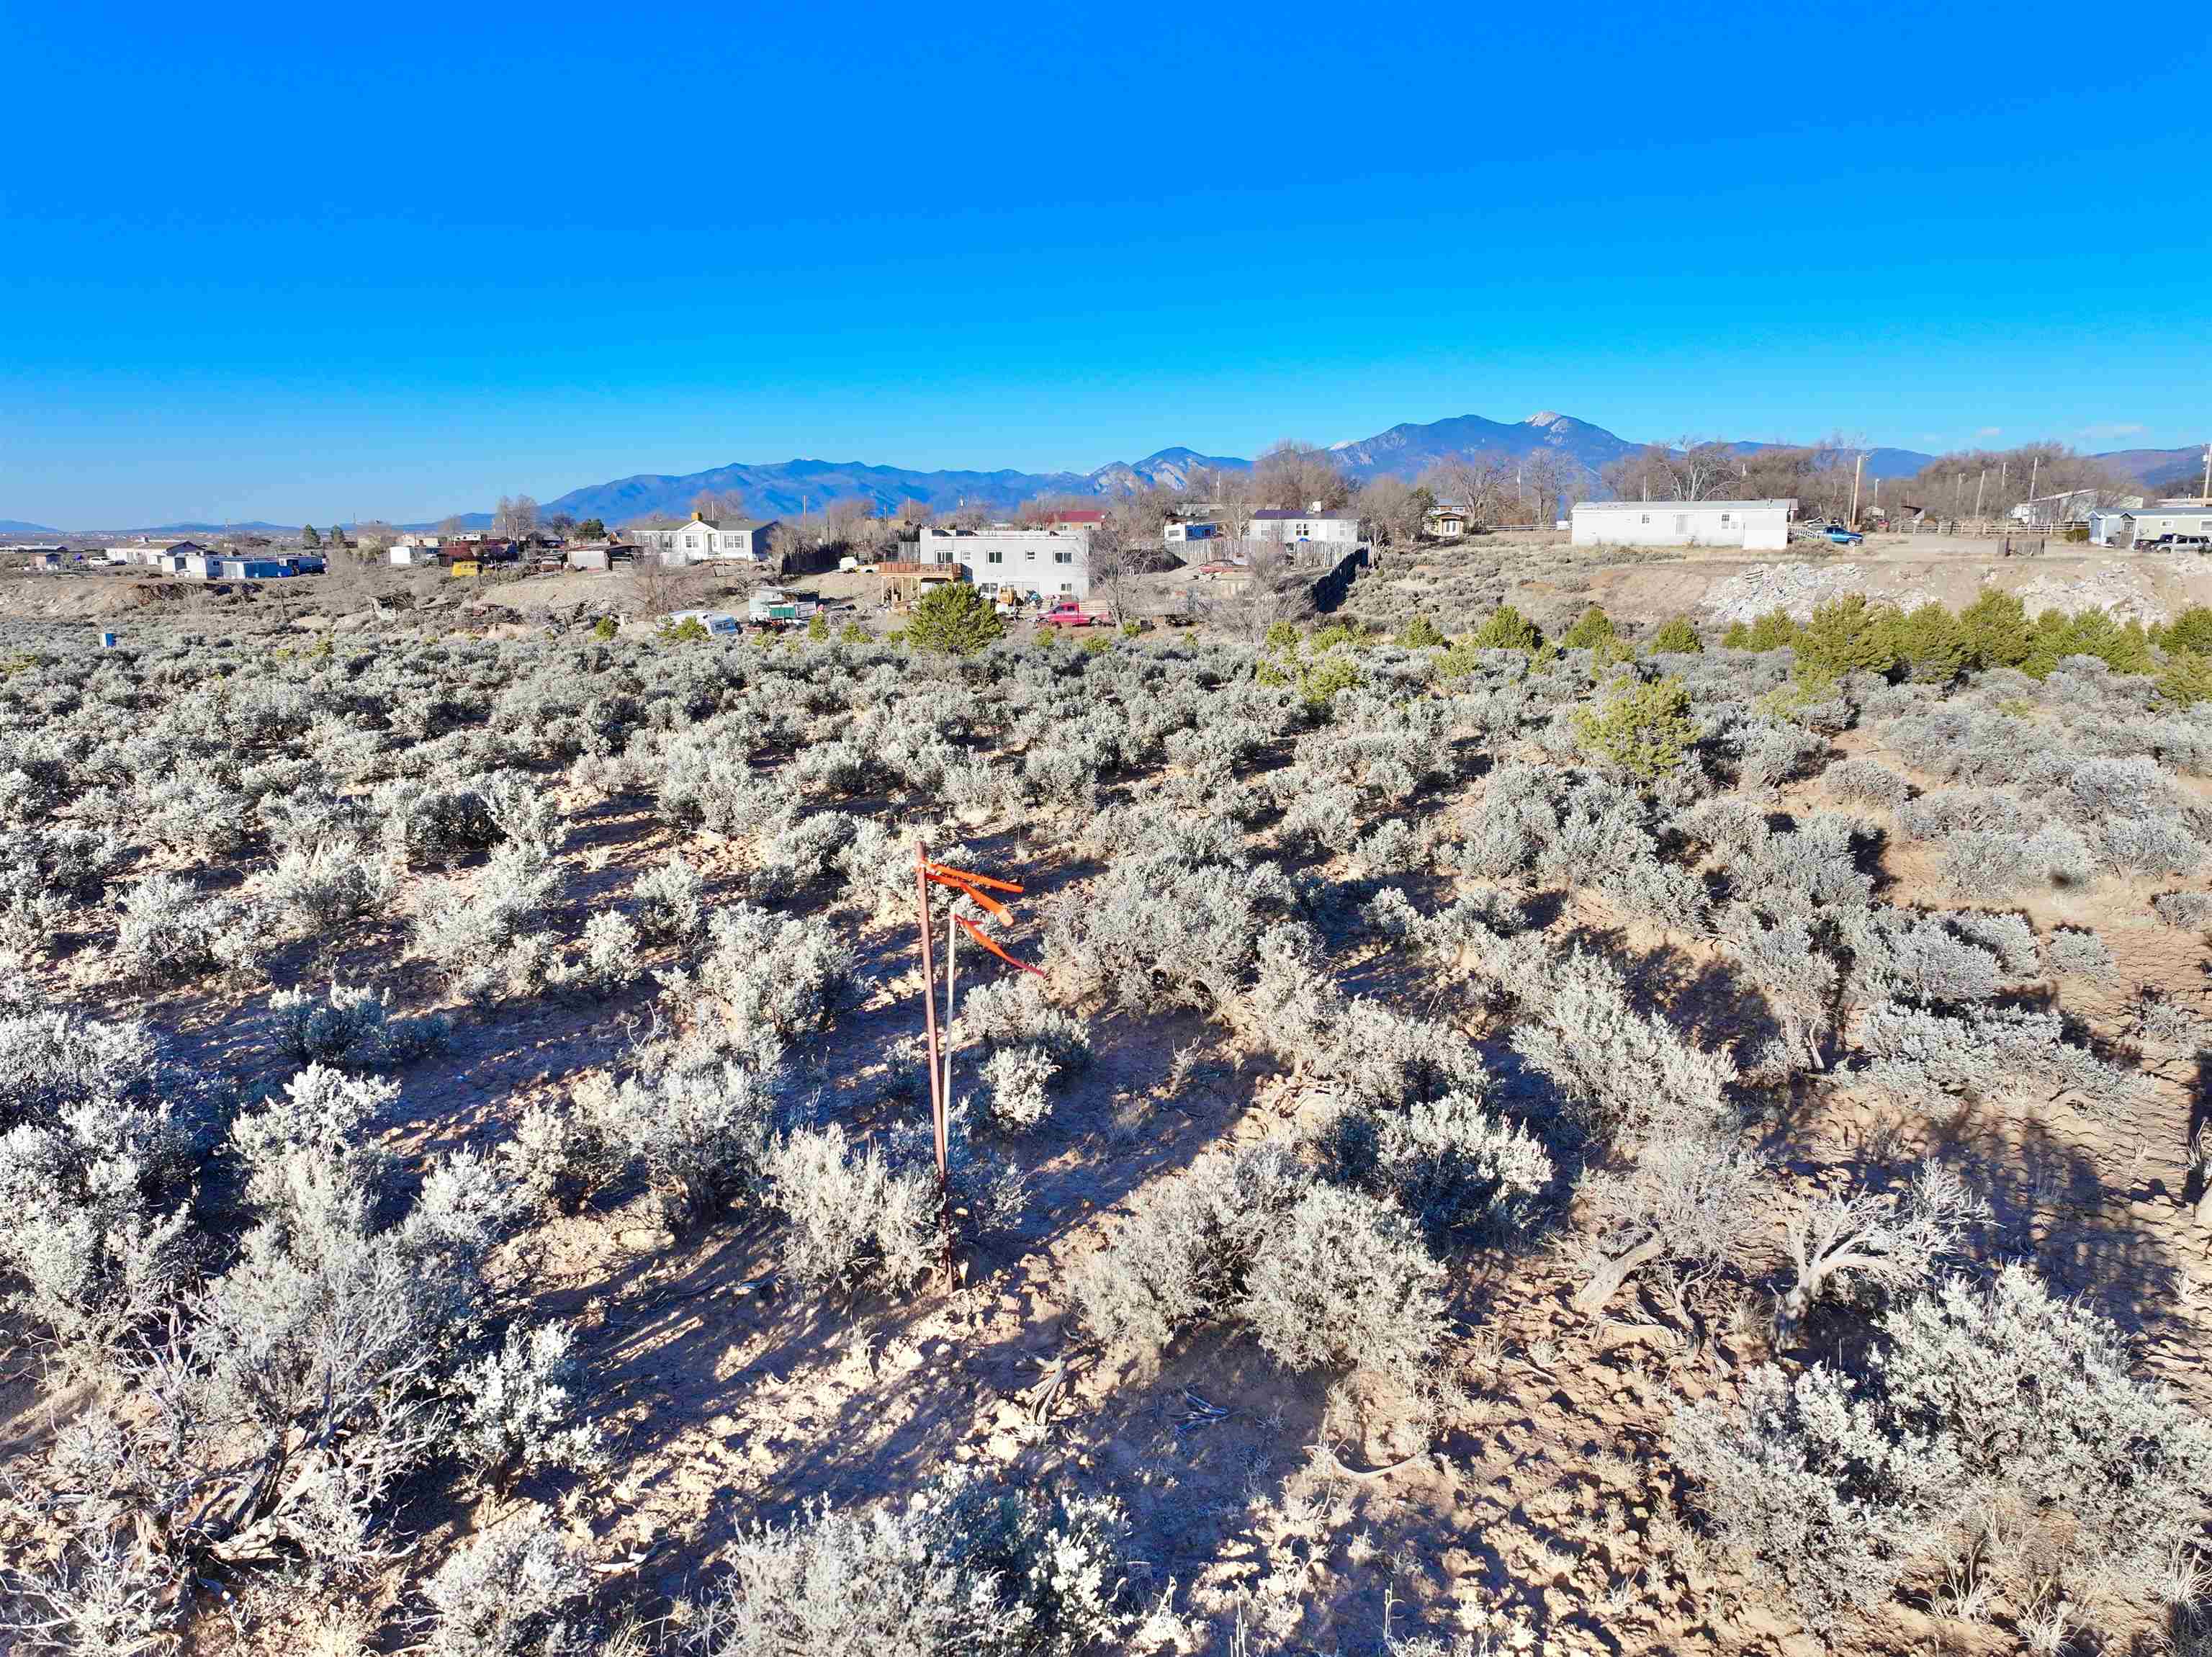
[[1679, 1139]]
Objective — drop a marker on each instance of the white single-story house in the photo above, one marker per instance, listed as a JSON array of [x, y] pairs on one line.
[[1177, 534], [1757, 525], [705, 538], [1287, 527], [1053, 563]]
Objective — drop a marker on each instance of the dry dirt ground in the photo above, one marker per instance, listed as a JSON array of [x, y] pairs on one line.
[[1545, 1515]]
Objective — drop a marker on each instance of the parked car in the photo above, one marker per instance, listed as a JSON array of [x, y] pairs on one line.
[[1068, 613], [1843, 537]]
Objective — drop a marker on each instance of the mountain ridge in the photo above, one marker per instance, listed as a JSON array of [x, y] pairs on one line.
[[782, 489]]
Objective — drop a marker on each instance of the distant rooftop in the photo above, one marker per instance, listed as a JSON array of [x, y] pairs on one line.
[[1276, 514]]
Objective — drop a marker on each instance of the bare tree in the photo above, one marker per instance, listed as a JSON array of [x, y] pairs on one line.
[[1273, 590], [1395, 509], [515, 517], [1296, 475], [718, 504]]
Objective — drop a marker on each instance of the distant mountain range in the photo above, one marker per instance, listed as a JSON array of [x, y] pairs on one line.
[[784, 490], [1403, 451], [2169, 471]]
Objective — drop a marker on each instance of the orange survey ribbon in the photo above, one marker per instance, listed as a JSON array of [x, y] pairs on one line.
[[976, 933], [968, 882]]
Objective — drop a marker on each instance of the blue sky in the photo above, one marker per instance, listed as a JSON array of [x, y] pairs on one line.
[[293, 263]]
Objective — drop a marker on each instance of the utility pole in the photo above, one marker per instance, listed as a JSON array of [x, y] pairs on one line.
[[2207, 496], [1980, 483], [2032, 472], [1858, 465]]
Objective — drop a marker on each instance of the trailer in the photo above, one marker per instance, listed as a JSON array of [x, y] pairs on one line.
[[773, 606]]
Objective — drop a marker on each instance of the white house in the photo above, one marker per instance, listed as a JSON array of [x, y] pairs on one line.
[[1758, 525], [1052, 563], [414, 549], [704, 538], [1288, 528]]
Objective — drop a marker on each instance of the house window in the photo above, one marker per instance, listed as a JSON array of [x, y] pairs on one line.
[[1063, 557], [994, 555], [1066, 589], [1029, 555], [1647, 518], [1724, 519], [1681, 523]]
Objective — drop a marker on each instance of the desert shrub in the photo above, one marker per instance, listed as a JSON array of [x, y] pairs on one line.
[[515, 1591], [668, 899], [865, 1216], [1343, 1282], [1643, 728], [1849, 634], [966, 1565], [771, 977], [855, 1219], [435, 824], [1922, 1058], [698, 1125], [1624, 1072], [1679, 636], [2159, 844], [519, 1405], [95, 1220], [349, 1027], [2074, 949], [1769, 754], [1421, 634], [1997, 1433], [311, 1159], [2191, 911], [954, 620], [1867, 782], [1029, 1043], [1994, 862], [479, 932], [1691, 1204], [106, 1594], [1451, 1164], [167, 933], [610, 963], [1173, 922], [1798, 979], [1184, 1254], [1878, 1242], [325, 883]]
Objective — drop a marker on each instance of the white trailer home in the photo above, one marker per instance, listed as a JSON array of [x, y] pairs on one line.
[[1758, 526]]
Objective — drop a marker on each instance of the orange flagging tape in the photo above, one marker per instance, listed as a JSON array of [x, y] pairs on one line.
[[991, 904], [946, 869], [975, 933]]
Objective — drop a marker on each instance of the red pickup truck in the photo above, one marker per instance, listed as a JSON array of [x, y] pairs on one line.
[[1068, 613]]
